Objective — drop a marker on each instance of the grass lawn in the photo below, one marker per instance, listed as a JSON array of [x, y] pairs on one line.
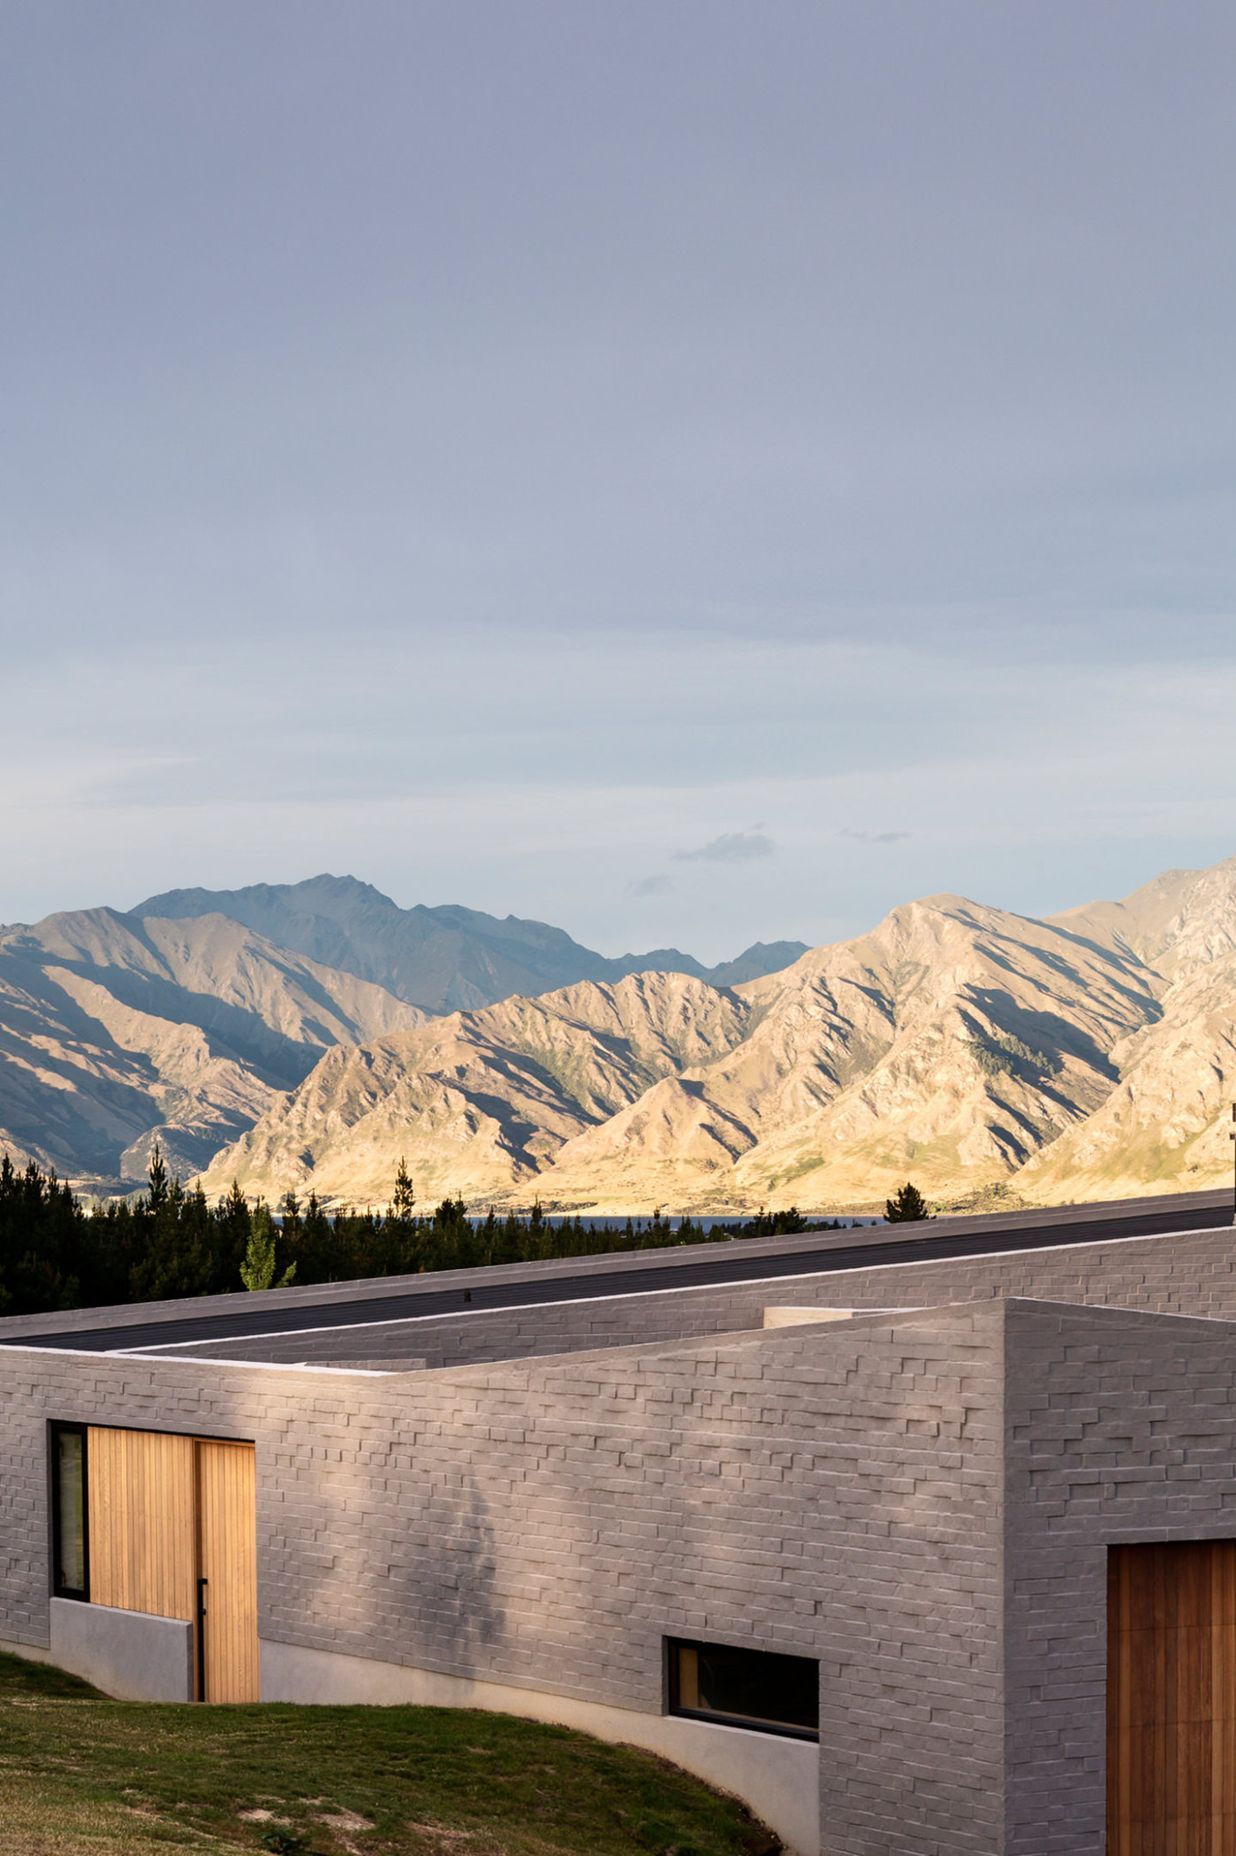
[[84, 1776]]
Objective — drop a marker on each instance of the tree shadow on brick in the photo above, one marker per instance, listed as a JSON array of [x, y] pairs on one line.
[[459, 1596], [397, 1561]]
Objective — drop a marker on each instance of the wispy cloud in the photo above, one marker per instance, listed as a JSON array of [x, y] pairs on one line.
[[732, 847], [650, 885], [875, 837]]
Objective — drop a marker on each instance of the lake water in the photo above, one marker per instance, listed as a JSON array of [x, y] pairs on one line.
[[702, 1221]]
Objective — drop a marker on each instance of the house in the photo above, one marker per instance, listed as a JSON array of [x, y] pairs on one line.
[[919, 1558]]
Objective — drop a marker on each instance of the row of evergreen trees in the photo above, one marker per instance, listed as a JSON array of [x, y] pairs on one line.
[[57, 1253]]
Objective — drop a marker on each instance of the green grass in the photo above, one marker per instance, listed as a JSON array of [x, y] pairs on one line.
[[84, 1776]]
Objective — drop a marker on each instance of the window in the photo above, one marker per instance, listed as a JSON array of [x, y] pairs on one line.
[[70, 1528], [745, 1688]]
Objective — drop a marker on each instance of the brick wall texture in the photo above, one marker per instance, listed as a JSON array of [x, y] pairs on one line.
[[1119, 1428], [834, 1492]]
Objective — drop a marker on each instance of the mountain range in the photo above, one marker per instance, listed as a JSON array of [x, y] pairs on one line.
[[311, 1035], [444, 959], [184, 1019]]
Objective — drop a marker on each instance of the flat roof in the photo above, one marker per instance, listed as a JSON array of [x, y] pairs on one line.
[[310, 1307]]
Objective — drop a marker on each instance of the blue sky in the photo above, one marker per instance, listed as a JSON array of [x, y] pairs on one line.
[[688, 472]]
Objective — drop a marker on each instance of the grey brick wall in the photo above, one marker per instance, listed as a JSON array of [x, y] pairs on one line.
[[1119, 1427], [1192, 1273], [834, 1491]]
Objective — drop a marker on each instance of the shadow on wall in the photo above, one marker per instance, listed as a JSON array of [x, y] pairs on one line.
[[399, 1564], [460, 1581]]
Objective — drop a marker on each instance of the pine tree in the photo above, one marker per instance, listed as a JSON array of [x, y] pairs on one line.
[[258, 1269], [309, 1239], [171, 1242], [908, 1207], [160, 1183], [232, 1227], [403, 1200], [41, 1233]]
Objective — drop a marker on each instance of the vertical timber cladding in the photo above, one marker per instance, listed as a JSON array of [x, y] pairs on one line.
[[1171, 1700], [143, 1522], [227, 1491], [166, 1511]]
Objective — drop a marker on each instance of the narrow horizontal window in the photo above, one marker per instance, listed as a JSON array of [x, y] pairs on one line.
[[70, 1557], [745, 1688]]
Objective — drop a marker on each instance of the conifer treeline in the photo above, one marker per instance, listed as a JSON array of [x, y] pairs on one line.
[[57, 1253]]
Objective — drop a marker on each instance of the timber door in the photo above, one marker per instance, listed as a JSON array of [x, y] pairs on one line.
[[227, 1495], [173, 1531], [1171, 1700]]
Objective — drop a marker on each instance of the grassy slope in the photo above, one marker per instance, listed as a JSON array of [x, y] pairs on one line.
[[83, 1776]]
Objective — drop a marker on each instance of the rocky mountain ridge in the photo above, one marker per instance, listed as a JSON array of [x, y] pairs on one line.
[[486, 1098], [115, 1032], [991, 1057], [986, 1054], [440, 959], [184, 1020]]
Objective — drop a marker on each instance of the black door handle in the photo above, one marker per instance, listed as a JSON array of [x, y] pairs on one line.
[[201, 1638]]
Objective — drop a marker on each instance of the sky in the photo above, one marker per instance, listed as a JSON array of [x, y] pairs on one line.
[[688, 472]]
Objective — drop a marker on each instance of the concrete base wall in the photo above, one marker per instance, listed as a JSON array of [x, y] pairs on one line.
[[778, 1778], [31, 1652], [128, 1654]]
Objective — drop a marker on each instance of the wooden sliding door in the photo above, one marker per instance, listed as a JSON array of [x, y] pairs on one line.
[[143, 1522], [173, 1531], [1171, 1700]]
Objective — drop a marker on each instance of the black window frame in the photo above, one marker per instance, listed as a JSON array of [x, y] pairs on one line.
[[749, 1723], [59, 1589]]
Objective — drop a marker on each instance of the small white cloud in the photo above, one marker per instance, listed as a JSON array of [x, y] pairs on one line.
[[732, 847], [875, 837], [650, 885]]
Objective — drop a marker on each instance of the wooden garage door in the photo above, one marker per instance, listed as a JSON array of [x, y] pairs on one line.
[[1171, 1700], [173, 1531]]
